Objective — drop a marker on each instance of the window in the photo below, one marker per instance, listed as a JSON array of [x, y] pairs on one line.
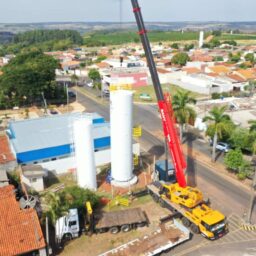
[[72, 223], [33, 180]]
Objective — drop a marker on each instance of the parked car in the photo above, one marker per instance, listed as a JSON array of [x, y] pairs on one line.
[[222, 146], [71, 94]]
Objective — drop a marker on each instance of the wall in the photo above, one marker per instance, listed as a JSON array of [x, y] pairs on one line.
[[38, 185], [102, 157]]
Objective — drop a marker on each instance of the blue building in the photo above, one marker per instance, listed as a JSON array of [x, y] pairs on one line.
[[48, 139]]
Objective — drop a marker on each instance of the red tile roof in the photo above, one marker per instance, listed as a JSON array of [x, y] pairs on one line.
[[5, 151], [236, 77], [20, 231], [191, 70], [163, 71]]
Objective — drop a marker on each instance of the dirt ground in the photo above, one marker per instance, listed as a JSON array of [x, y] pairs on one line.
[[96, 244]]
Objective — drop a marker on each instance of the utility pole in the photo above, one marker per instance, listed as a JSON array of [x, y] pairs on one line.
[[251, 205], [66, 87], [47, 235], [45, 104]]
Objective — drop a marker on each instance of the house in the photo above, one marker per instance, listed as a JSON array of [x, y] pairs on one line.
[[219, 69], [20, 230], [70, 65], [247, 74], [135, 77], [7, 159], [33, 177], [4, 181]]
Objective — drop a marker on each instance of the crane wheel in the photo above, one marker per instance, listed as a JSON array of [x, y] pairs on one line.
[[194, 229], [162, 202], [155, 198], [185, 222], [114, 230], [125, 228]]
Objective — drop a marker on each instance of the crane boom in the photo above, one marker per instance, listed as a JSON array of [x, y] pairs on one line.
[[164, 105]]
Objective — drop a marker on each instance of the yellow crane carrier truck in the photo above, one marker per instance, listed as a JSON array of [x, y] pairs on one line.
[[188, 204]]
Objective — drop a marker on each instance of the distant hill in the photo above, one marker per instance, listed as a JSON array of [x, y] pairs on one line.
[[84, 27], [6, 37]]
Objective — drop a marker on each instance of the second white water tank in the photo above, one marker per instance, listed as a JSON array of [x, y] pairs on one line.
[[84, 153], [121, 135]]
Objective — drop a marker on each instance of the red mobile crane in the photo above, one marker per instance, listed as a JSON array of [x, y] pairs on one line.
[[164, 103], [186, 201]]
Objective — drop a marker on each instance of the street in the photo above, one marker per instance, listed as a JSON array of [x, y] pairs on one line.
[[224, 194]]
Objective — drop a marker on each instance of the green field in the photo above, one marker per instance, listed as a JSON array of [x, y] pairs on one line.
[[122, 37], [237, 37], [116, 38]]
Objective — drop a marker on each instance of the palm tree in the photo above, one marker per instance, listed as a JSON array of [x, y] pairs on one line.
[[219, 123], [55, 209], [74, 79], [182, 111]]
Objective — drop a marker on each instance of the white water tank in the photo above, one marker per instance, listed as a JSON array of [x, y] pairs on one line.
[[84, 153], [201, 39], [121, 126]]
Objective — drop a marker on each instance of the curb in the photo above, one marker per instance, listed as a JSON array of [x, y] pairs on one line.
[[248, 227]]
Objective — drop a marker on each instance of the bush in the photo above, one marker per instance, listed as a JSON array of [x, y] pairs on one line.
[[215, 96], [234, 160], [241, 175]]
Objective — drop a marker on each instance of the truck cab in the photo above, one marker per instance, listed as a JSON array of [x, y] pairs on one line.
[[67, 227]]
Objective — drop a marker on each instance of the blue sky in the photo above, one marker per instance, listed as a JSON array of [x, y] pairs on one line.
[[22, 11]]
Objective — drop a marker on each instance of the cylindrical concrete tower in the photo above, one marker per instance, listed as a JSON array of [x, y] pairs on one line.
[[201, 39], [84, 153], [121, 138]]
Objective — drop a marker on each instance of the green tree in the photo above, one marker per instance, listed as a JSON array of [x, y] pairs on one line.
[[75, 197], [100, 59], [214, 43], [252, 125], [219, 122], [58, 204], [175, 46], [218, 58], [251, 87], [234, 58], [188, 47], [240, 138], [54, 207], [216, 32], [234, 159], [250, 57], [27, 76], [94, 74], [230, 42], [180, 59], [182, 110]]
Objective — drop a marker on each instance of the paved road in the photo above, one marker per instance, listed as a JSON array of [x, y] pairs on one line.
[[225, 196]]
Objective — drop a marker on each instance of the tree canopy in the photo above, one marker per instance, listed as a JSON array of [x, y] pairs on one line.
[[39, 36], [26, 77], [94, 74], [180, 58]]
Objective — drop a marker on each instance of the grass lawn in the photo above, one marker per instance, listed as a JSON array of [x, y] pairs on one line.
[[172, 89]]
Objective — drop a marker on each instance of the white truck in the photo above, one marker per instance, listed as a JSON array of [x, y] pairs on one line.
[[69, 226]]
